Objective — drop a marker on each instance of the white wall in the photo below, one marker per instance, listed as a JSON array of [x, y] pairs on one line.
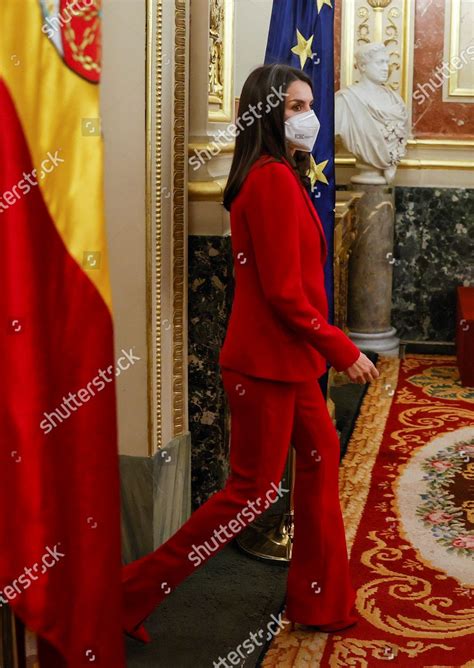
[[252, 21], [123, 109]]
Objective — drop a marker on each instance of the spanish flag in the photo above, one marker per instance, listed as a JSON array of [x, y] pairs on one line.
[[60, 566]]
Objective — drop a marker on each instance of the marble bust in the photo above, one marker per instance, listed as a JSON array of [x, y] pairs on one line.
[[372, 119]]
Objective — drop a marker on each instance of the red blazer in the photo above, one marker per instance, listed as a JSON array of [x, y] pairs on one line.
[[277, 327]]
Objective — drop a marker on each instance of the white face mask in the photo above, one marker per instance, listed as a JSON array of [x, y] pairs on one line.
[[301, 130]]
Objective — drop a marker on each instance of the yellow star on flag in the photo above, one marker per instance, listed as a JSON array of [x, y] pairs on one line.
[[303, 48], [316, 172], [321, 4]]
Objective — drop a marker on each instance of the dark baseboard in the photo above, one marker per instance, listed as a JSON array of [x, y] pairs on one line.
[[427, 347]]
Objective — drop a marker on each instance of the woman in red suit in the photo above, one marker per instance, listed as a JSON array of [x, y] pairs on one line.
[[276, 346]]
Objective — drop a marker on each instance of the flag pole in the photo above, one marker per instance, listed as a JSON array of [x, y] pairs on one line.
[[271, 536]]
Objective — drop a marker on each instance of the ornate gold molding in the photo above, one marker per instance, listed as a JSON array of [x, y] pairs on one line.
[[455, 22], [411, 162], [421, 163], [344, 235], [415, 163], [206, 191], [154, 217], [221, 60], [378, 6], [179, 205], [442, 143], [153, 115], [210, 146]]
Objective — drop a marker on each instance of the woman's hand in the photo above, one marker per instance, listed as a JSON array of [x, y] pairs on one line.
[[362, 371]]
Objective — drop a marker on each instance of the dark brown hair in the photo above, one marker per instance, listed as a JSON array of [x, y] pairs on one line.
[[265, 134]]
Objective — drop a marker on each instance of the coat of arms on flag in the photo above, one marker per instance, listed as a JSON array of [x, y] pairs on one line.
[[74, 29]]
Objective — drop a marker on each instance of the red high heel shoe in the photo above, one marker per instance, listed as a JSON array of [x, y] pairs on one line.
[[329, 628], [139, 633], [338, 626]]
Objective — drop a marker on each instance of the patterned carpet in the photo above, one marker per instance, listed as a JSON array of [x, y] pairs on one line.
[[406, 485]]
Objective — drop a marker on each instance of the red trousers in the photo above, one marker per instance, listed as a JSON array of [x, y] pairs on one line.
[[266, 416]]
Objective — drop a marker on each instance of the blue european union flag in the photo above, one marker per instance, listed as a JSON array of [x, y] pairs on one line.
[[301, 34]]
